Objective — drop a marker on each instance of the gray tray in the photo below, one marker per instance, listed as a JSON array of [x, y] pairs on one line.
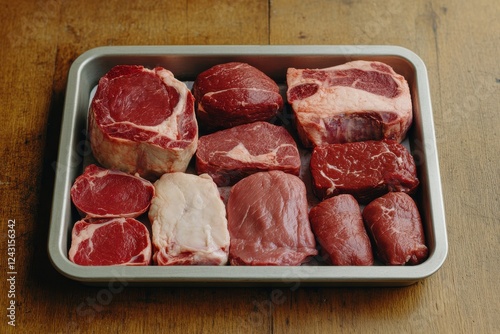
[[186, 62]]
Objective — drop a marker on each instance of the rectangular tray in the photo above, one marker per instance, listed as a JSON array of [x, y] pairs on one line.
[[186, 62]]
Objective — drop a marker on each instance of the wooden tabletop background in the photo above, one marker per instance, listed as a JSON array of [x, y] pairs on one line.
[[458, 40]]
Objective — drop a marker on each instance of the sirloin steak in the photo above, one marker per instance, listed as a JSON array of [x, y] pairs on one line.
[[339, 229], [395, 226], [188, 221], [356, 101], [230, 155], [365, 169], [235, 93], [268, 221], [142, 121], [104, 193], [110, 241]]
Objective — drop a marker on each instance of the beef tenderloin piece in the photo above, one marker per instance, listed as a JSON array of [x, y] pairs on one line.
[[395, 227], [338, 226]]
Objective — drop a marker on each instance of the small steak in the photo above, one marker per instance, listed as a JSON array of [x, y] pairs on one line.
[[394, 224], [365, 170], [230, 155], [142, 121], [268, 221], [339, 229], [356, 101], [188, 221], [104, 193], [235, 93], [110, 241]]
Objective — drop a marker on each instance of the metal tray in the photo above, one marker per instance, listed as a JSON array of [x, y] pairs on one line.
[[186, 62]]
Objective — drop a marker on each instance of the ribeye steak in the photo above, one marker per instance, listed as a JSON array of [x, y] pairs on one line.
[[143, 121], [104, 193], [110, 241]]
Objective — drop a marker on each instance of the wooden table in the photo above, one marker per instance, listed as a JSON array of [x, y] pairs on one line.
[[458, 40]]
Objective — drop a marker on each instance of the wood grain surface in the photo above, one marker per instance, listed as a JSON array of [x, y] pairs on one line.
[[458, 40]]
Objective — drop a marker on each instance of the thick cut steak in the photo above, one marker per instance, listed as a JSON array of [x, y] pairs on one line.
[[339, 229], [356, 101], [104, 193], [143, 121], [365, 170], [394, 224], [235, 93], [268, 221], [230, 155], [110, 241], [188, 221]]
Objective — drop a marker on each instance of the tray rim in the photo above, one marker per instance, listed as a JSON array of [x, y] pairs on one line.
[[230, 275]]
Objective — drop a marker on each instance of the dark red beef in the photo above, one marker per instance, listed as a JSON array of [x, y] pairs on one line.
[[355, 101], [338, 226], [231, 154], [394, 224], [235, 93], [142, 121], [110, 241], [104, 193], [365, 170], [268, 221]]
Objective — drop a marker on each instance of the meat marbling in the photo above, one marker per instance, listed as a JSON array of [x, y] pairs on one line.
[[142, 121], [356, 101], [231, 154], [104, 193], [110, 241], [235, 93], [365, 169]]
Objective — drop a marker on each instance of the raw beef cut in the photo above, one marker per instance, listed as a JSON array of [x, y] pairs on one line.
[[268, 221], [394, 224], [142, 121], [230, 155], [365, 170], [104, 193], [235, 93], [356, 101], [188, 221], [339, 229], [110, 241]]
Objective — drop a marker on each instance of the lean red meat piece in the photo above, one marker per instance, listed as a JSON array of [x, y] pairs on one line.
[[356, 101], [268, 221], [235, 93], [365, 170], [339, 229], [189, 224], [142, 121], [395, 226], [232, 154], [104, 193], [110, 241]]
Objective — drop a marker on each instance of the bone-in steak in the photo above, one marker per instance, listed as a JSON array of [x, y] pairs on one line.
[[356, 101]]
